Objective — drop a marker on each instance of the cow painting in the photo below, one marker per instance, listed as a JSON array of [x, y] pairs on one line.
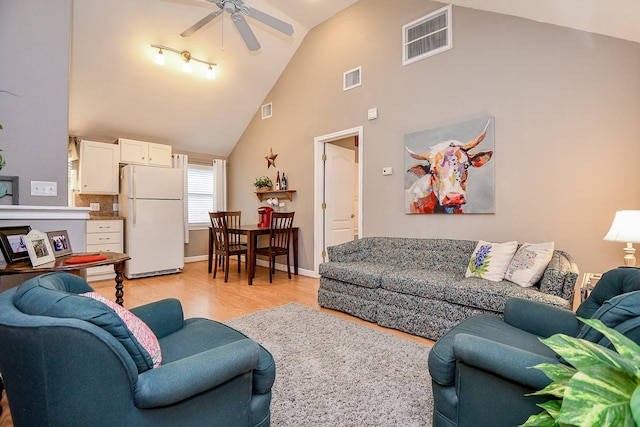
[[438, 181]]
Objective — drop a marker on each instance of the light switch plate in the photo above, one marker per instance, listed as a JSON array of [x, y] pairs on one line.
[[44, 188], [94, 206], [387, 171]]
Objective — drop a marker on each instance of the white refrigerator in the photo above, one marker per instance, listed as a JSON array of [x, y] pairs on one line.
[[151, 200]]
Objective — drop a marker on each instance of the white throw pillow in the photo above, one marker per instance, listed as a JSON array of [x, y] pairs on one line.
[[529, 263], [490, 260]]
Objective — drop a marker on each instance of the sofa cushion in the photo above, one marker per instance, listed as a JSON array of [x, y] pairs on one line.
[[359, 273], [528, 264], [56, 295], [612, 313], [492, 296], [422, 283], [490, 260]]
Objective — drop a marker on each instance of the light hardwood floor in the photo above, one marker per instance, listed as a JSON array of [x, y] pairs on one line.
[[203, 296]]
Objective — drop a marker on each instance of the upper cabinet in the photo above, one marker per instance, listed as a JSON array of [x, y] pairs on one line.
[[98, 169], [144, 153]]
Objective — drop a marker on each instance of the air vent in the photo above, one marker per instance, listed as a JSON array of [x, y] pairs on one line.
[[266, 111], [427, 36], [352, 78]]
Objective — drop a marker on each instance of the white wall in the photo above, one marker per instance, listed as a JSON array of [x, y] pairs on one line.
[[566, 105]]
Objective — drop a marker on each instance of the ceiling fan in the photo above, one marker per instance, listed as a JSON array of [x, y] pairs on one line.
[[238, 9]]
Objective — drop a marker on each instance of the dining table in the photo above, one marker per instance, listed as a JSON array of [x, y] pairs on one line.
[[252, 231]]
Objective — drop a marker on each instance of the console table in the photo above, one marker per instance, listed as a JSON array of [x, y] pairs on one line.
[[113, 258]]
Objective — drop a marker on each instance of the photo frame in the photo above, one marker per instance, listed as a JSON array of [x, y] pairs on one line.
[[39, 248], [12, 243], [60, 242], [9, 190]]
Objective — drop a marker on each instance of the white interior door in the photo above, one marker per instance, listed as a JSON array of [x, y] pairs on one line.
[[339, 194]]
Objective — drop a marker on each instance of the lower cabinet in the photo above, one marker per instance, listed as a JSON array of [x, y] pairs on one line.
[[104, 236]]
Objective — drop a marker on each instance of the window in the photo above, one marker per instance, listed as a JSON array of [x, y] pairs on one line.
[[427, 36], [200, 193]]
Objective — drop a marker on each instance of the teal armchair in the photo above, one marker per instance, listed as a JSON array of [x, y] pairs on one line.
[[481, 369], [67, 361]]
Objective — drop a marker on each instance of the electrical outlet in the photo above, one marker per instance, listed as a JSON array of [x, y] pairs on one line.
[[44, 188], [116, 207], [94, 206]]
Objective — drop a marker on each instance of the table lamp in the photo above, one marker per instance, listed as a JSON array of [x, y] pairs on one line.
[[626, 228]]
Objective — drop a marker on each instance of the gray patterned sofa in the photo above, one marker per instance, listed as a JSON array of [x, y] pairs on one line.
[[419, 286]]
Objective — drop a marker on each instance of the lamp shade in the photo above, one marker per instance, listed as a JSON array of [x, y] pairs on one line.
[[625, 227]]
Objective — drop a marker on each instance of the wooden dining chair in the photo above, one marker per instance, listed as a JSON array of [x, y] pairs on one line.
[[279, 238], [225, 245]]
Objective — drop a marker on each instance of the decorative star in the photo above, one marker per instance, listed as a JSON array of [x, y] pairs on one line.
[[271, 159]]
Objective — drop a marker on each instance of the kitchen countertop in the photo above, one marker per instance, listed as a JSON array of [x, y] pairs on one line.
[[104, 217]]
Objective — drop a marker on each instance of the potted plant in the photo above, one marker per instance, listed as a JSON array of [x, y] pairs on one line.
[[601, 387], [263, 183]]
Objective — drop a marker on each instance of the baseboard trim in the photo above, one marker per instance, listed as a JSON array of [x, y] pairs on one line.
[[260, 262]]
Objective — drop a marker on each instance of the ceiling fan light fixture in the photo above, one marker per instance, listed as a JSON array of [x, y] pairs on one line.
[[211, 73], [159, 59], [185, 55]]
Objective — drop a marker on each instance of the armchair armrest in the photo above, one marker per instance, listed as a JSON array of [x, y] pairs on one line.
[[179, 380], [164, 317], [510, 363], [540, 319]]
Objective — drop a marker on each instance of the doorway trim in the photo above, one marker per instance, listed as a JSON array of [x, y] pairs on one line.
[[318, 185]]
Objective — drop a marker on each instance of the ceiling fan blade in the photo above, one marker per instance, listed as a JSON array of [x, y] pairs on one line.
[[269, 20], [201, 23], [245, 31]]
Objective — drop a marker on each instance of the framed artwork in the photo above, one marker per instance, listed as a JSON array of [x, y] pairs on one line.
[[448, 170], [39, 248], [12, 243], [9, 190], [60, 242]]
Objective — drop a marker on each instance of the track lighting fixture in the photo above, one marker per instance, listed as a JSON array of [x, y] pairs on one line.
[[186, 58]]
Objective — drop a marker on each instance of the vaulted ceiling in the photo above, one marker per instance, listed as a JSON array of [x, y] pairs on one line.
[[118, 91]]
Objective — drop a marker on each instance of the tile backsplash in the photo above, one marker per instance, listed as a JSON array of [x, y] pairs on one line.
[[106, 203]]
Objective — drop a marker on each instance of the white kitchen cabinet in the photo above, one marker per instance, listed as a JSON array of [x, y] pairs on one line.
[[104, 236], [98, 169], [144, 153]]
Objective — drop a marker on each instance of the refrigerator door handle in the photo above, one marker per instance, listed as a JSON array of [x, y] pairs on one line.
[[133, 195]]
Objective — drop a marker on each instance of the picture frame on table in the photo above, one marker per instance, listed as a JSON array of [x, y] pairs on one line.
[[12, 243], [60, 243], [39, 248]]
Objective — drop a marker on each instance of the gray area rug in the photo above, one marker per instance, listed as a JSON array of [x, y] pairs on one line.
[[334, 372]]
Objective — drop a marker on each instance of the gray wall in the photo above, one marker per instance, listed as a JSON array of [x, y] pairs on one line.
[[34, 64], [566, 105]]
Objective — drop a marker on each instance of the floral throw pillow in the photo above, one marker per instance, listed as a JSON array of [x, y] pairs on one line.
[[490, 260], [529, 263], [142, 333]]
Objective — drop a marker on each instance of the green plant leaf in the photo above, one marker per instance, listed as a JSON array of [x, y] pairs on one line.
[[557, 371], [542, 419], [598, 395], [583, 354], [635, 405], [623, 345]]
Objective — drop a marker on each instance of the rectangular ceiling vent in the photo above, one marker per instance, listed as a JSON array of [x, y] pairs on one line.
[[352, 78], [427, 36], [266, 111]]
